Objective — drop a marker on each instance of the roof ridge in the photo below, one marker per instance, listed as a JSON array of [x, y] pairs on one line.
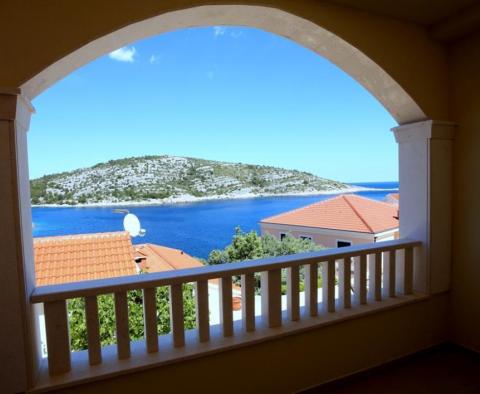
[[157, 249], [357, 213], [80, 236], [370, 199]]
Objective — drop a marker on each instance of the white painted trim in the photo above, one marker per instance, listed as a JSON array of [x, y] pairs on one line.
[[20, 341], [173, 277], [386, 233], [426, 162], [425, 130], [316, 230]]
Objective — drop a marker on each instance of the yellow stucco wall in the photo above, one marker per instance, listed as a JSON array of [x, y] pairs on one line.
[[35, 34], [296, 362], [465, 81]]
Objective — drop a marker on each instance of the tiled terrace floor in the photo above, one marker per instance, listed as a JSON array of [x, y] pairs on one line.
[[445, 369]]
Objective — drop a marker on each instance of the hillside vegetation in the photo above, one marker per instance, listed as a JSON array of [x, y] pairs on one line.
[[170, 178]]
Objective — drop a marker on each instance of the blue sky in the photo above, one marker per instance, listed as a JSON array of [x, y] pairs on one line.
[[223, 93]]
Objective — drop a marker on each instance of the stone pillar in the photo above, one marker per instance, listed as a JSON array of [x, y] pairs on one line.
[[18, 342], [425, 157]]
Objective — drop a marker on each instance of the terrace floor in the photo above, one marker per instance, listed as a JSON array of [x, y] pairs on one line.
[[444, 369]]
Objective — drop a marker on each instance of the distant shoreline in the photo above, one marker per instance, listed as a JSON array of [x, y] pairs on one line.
[[187, 199]]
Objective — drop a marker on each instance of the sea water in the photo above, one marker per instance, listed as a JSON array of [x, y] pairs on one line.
[[196, 228]]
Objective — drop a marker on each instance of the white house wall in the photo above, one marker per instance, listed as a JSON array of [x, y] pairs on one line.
[[324, 237]]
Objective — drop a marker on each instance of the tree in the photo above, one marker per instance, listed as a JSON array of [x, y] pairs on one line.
[[217, 256], [106, 315], [245, 246], [251, 246]]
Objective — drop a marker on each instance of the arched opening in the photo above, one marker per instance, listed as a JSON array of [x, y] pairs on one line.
[[359, 66], [395, 99], [122, 105]]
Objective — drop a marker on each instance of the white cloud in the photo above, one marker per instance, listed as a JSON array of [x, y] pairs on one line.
[[125, 54], [154, 59], [236, 34], [219, 31], [210, 74]]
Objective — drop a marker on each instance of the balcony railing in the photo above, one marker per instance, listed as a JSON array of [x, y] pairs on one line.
[[356, 280]]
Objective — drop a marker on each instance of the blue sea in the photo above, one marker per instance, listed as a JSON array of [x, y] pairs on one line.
[[196, 228]]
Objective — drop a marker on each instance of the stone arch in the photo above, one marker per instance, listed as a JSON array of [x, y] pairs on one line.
[[308, 34]]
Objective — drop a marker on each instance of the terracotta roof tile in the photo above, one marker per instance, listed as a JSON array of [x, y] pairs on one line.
[[346, 212], [160, 258], [74, 258], [393, 198]]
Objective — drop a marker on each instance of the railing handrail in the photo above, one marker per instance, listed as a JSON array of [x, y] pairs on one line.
[[156, 279]]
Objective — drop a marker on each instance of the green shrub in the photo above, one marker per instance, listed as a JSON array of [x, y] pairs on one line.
[[106, 315]]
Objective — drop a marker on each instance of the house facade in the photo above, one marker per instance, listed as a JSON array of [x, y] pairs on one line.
[[337, 222]]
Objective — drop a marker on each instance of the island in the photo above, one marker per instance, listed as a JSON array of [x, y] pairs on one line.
[[172, 179]]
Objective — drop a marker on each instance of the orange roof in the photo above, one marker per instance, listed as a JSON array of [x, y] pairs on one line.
[[160, 258], [345, 212], [74, 258], [394, 196]]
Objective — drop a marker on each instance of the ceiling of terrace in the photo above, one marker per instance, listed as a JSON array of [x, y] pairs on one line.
[[446, 20]]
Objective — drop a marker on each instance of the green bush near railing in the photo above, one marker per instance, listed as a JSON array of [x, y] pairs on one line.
[[106, 315]]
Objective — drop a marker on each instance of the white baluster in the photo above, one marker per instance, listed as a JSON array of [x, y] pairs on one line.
[[176, 315], [93, 330], [311, 289], [272, 297], [121, 323], [389, 273], [226, 308], [293, 293], [248, 302], [345, 282], [360, 279], [58, 340], [201, 301], [328, 285], [375, 276], [150, 319]]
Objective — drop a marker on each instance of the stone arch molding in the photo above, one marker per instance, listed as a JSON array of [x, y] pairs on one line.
[[393, 97]]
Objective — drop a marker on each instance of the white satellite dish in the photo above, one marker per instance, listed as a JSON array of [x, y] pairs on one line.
[[132, 225]]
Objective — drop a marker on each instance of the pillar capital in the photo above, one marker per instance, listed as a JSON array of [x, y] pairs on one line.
[[424, 130], [15, 107]]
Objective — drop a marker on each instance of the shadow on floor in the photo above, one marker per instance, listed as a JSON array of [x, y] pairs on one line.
[[445, 369]]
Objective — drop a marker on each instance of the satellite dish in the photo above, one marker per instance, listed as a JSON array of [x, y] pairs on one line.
[[132, 225]]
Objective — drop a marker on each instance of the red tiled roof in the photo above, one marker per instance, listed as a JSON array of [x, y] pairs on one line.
[[345, 212], [157, 258], [394, 196], [74, 258], [160, 258]]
